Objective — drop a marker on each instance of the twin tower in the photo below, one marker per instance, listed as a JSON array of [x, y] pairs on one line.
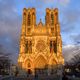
[[40, 44]]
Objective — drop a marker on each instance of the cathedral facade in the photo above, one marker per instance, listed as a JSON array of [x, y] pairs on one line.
[[40, 44]]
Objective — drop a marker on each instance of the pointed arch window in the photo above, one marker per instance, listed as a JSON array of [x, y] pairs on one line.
[[47, 17], [33, 17], [52, 19], [33, 14], [26, 48], [30, 45], [29, 21], [56, 14], [52, 30], [55, 47], [24, 18], [51, 46]]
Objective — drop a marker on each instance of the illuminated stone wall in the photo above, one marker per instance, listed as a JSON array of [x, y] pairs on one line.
[[40, 44]]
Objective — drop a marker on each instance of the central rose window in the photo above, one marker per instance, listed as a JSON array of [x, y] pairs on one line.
[[40, 46]]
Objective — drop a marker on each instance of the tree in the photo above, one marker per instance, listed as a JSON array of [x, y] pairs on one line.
[[4, 64]]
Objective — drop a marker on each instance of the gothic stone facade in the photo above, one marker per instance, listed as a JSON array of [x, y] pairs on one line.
[[40, 44]]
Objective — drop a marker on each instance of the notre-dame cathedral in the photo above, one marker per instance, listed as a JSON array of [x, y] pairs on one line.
[[40, 44]]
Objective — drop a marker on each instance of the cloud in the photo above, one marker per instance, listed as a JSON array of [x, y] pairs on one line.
[[61, 2], [9, 20], [75, 38], [69, 51], [69, 20], [64, 2], [10, 24]]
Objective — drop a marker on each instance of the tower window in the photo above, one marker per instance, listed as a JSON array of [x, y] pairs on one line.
[[56, 14], [24, 18], [52, 30], [52, 19], [29, 19], [33, 18], [47, 17], [33, 14], [28, 30]]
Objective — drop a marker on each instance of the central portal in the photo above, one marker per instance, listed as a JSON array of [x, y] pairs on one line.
[[40, 62]]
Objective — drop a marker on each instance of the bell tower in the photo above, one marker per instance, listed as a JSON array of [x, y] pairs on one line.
[[29, 19]]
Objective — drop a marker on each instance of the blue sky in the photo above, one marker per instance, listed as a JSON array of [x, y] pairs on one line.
[[11, 20], [68, 14]]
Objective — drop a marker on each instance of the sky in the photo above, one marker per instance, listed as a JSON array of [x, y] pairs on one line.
[[11, 20]]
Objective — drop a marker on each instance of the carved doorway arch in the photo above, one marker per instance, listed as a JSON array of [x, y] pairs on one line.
[[40, 62]]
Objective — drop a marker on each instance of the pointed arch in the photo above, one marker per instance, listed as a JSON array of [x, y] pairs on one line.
[[47, 18], [52, 61], [24, 18], [28, 64], [40, 62], [33, 18], [29, 20], [52, 19]]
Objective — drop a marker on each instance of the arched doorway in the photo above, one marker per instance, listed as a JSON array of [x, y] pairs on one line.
[[29, 71], [40, 62], [40, 65], [28, 66]]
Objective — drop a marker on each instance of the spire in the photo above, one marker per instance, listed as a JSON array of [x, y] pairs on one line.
[[40, 20], [40, 23]]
